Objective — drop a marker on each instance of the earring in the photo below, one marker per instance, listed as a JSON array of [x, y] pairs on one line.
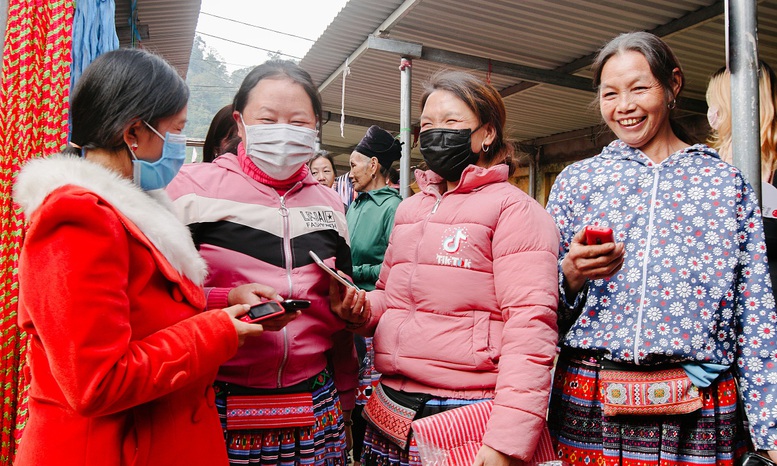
[[484, 147], [672, 104], [134, 146]]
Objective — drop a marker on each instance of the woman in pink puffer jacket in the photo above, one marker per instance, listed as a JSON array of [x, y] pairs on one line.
[[465, 306]]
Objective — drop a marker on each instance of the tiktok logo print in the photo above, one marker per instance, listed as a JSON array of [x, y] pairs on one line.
[[454, 241]]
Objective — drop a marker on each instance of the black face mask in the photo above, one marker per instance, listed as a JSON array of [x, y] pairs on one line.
[[447, 152]]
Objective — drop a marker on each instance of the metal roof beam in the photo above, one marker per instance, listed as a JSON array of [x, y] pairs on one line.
[[358, 121], [692, 19], [384, 28], [522, 72]]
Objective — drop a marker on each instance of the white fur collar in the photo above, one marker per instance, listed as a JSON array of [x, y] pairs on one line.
[[150, 211]]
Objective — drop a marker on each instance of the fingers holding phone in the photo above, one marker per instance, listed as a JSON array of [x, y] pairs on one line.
[[593, 254], [244, 329], [252, 293]]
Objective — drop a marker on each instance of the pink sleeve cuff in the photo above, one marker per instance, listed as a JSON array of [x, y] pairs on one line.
[[217, 297]]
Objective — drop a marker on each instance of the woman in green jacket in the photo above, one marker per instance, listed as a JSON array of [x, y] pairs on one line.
[[370, 220]]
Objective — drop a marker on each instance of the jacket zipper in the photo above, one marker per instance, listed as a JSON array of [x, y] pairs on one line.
[[287, 259], [410, 290], [645, 259]]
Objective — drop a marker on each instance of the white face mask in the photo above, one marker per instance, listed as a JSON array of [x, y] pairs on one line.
[[279, 150], [713, 117]]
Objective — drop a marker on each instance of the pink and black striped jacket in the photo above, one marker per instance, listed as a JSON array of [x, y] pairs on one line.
[[247, 232]]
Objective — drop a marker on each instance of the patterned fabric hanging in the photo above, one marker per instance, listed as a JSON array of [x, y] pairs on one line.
[[33, 122]]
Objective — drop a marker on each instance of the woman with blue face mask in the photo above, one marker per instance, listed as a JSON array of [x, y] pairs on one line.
[[122, 355], [255, 215]]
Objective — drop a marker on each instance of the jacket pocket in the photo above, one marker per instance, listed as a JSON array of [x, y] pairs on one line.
[[136, 444], [483, 353]]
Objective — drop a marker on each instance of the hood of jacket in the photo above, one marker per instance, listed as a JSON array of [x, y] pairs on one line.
[[381, 195], [150, 211], [619, 150]]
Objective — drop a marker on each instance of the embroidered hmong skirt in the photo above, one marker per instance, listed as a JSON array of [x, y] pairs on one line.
[[322, 444], [378, 450], [713, 435]]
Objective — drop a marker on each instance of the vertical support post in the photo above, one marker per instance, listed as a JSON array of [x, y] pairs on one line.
[[743, 64], [533, 168], [405, 135]]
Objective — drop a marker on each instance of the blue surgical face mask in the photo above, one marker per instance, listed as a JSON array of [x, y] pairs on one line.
[[158, 174]]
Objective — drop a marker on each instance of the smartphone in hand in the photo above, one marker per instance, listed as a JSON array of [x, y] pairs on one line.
[[598, 235], [292, 305], [331, 271], [263, 311]]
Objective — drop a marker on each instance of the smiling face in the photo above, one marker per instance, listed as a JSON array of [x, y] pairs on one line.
[[633, 103], [443, 109], [277, 100]]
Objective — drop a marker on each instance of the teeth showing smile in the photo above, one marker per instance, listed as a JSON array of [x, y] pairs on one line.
[[630, 121]]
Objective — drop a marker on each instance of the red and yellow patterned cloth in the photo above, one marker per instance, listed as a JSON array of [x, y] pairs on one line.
[[33, 122]]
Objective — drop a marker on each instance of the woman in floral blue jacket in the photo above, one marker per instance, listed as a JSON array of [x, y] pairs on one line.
[[684, 285]]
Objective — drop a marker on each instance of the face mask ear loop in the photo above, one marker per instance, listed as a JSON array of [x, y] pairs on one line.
[[154, 130]]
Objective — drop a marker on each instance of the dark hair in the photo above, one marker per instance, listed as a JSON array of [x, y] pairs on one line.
[[119, 88], [484, 100], [660, 58], [222, 128], [324, 154], [274, 69]]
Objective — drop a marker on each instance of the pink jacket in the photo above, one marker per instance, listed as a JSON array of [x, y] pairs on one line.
[[465, 305], [247, 232]]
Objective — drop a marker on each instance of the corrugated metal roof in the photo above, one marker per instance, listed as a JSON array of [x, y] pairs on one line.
[[543, 34], [171, 25]]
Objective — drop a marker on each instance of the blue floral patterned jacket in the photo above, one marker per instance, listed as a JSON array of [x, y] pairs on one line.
[[694, 285]]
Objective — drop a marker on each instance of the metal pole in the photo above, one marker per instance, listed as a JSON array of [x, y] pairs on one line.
[[743, 64], [405, 68], [533, 162]]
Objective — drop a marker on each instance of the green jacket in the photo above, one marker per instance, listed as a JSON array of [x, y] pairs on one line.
[[370, 220]]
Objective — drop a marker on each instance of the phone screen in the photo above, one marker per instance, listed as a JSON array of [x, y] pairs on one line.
[[331, 271]]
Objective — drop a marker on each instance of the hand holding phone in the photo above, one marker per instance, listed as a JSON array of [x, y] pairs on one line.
[[598, 235], [331, 271]]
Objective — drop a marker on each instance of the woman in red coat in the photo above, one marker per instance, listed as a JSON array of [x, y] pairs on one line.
[[121, 356]]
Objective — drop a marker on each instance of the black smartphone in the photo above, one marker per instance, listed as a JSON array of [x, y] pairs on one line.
[[263, 311], [291, 305]]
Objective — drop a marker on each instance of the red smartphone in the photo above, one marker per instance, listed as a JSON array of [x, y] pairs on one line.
[[598, 235], [263, 311]]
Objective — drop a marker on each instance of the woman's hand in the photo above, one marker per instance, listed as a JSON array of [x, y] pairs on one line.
[[244, 329], [349, 304], [584, 262], [487, 456], [772, 455], [251, 294]]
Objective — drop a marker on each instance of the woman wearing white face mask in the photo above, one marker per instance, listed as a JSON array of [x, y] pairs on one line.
[[254, 216]]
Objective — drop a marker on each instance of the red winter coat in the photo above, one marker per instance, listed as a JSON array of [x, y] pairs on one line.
[[122, 357]]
